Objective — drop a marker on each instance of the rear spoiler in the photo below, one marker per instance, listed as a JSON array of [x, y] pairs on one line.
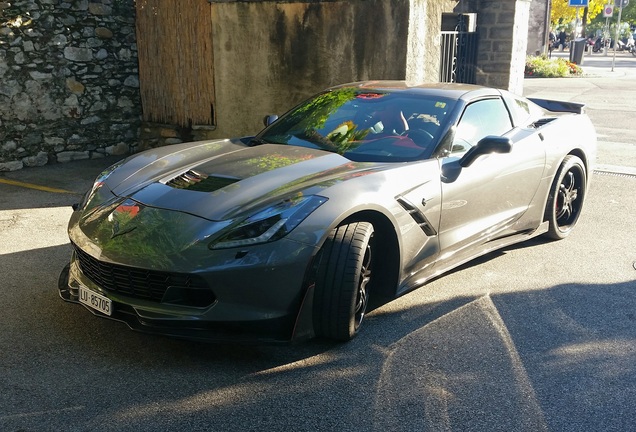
[[559, 106]]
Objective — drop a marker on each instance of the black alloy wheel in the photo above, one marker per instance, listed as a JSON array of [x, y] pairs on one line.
[[566, 198], [343, 281]]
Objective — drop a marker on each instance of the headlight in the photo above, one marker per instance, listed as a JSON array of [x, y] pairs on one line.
[[271, 223]]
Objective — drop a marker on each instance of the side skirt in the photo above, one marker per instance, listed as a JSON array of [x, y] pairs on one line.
[[499, 243]]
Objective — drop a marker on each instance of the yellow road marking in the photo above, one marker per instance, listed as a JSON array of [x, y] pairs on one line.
[[34, 186]]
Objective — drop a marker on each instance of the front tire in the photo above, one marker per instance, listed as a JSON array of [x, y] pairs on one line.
[[343, 280], [566, 198]]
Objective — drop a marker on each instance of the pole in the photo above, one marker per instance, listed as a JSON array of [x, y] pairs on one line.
[[606, 36], [618, 26], [547, 27]]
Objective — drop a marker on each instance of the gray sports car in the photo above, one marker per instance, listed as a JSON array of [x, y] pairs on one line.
[[356, 196]]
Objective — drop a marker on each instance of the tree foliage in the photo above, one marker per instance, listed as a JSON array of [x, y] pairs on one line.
[[562, 14]]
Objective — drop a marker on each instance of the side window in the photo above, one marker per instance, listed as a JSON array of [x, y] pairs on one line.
[[480, 119], [520, 110]]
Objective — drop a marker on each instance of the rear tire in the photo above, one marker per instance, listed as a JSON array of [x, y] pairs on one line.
[[566, 198], [342, 281]]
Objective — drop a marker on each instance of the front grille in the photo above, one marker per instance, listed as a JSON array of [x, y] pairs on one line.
[[144, 284]]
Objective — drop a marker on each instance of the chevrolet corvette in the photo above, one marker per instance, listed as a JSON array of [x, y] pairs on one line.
[[354, 197]]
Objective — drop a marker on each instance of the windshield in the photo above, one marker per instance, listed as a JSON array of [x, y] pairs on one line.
[[364, 125]]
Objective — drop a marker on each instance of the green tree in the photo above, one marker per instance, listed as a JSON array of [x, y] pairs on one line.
[[562, 13]]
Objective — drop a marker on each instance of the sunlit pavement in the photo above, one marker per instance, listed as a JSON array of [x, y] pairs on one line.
[[604, 64], [608, 89]]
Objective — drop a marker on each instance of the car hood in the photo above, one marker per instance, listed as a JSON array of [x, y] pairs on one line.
[[220, 180]]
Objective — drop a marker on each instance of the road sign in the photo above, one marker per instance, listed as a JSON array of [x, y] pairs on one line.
[[608, 11], [580, 3], [621, 3]]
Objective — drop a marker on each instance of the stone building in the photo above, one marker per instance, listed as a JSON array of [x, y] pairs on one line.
[[86, 78]]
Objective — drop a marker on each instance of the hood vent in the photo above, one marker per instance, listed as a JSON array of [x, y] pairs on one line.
[[197, 181]]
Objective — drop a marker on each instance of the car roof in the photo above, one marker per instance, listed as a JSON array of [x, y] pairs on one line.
[[447, 90]]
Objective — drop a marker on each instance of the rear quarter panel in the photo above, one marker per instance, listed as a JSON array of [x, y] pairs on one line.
[[569, 134], [566, 134]]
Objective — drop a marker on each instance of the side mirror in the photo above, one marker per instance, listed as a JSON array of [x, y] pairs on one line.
[[269, 119], [487, 145]]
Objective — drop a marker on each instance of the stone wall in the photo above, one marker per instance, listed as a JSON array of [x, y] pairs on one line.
[[69, 86]]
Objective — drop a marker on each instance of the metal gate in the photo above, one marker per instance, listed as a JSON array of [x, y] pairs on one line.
[[458, 57]]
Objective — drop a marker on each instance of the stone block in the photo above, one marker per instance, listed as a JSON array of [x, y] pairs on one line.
[[501, 32], [11, 166], [41, 159], [132, 81], [118, 149], [502, 46], [68, 156], [37, 75], [99, 9], [166, 132], [10, 88], [75, 86], [104, 33], [78, 54], [54, 141], [9, 146]]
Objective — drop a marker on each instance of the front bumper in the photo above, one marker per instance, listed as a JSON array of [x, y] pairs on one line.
[[270, 301]]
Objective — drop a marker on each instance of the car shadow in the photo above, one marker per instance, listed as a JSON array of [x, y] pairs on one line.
[[543, 351]]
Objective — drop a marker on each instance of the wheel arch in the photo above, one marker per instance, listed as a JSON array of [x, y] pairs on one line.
[[554, 231], [386, 273], [583, 156]]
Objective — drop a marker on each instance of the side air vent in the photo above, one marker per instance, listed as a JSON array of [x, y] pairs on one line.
[[417, 216], [542, 122]]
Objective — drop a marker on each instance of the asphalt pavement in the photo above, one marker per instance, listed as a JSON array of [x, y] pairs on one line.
[[536, 337]]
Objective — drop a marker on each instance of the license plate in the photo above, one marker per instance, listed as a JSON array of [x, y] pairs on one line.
[[95, 301]]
